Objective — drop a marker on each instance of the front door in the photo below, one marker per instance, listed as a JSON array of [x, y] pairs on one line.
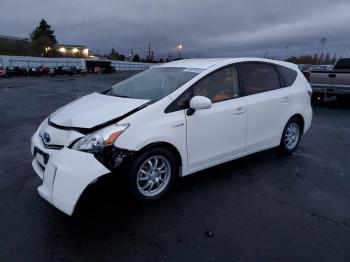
[[217, 134]]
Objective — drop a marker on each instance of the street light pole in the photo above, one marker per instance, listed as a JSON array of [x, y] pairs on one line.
[[179, 47]]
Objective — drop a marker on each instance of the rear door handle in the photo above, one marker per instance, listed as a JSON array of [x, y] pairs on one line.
[[332, 75], [240, 110], [285, 99]]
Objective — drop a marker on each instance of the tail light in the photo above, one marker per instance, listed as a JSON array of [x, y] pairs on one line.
[[309, 90], [307, 75]]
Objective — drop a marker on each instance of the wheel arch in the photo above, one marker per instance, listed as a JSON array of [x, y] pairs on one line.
[[297, 116], [169, 147], [301, 119]]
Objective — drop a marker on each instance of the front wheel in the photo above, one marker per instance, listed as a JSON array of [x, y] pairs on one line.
[[152, 174], [291, 136]]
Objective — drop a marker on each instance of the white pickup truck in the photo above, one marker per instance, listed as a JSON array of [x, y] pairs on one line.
[[335, 81]]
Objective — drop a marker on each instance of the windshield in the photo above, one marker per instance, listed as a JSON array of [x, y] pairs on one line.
[[153, 84]]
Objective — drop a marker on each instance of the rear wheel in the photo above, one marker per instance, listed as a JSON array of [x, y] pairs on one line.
[[291, 136], [152, 173]]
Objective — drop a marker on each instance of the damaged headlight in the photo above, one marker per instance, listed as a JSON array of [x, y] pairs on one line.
[[97, 141]]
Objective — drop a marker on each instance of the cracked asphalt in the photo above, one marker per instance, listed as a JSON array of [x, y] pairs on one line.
[[263, 207]]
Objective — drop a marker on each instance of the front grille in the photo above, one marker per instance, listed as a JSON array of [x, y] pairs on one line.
[[56, 147]]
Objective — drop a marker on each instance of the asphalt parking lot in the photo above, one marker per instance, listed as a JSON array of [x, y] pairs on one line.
[[263, 207]]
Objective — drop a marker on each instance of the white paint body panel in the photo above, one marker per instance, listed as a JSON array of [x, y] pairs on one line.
[[93, 109], [227, 130], [216, 133]]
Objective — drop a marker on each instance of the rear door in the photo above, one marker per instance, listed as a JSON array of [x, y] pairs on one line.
[[267, 103]]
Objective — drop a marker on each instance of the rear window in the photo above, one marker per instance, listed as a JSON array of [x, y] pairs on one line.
[[288, 75], [343, 63]]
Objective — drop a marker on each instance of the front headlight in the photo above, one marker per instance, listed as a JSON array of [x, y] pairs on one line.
[[97, 141]]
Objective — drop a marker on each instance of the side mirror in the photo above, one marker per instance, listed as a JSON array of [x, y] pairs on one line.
[[200, 102]]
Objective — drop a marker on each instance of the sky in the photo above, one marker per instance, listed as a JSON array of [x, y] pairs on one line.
[[217, 28]]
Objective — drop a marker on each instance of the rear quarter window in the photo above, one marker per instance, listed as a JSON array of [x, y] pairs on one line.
[[288, 75]]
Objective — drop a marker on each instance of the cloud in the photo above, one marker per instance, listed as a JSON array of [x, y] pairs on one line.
[[206, 28]]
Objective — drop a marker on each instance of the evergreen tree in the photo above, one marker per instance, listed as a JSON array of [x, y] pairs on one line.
[[42, 37]]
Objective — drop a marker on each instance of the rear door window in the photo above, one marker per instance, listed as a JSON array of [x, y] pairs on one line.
[[259, 77]]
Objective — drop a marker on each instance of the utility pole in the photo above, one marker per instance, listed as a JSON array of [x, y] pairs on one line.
[[323, 41]]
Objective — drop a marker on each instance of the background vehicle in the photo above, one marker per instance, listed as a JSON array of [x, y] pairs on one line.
[[76, 70], [60, 70], [331, 82], [169, 121], [73, 70], [35, 71], [18, 70], [5, 73]]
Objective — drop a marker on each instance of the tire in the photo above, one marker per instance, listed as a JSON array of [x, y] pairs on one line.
[[143, 180], [291, 136]]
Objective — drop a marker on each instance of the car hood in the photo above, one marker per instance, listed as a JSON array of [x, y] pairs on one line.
[[93, 110]]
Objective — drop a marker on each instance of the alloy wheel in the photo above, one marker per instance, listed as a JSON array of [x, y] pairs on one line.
[[153, 176]]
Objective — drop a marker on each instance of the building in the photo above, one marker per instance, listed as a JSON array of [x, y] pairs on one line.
[[70, 50], [10, 45], [13, 38]]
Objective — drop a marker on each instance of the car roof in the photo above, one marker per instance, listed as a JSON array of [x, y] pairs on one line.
[[205, 63]]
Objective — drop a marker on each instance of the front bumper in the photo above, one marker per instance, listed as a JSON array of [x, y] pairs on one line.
[[65, 175]]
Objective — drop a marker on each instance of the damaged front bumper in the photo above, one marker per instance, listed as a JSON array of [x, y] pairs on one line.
[[67, 172]]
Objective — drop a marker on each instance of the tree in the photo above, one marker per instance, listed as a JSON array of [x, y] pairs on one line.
[[115, 55], [327, 59], [321, 58], [334, 59], [42, 37], [136, 58]]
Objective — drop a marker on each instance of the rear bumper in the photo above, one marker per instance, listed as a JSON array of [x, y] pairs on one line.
[[331, 90], [66, 175], [308, 118]]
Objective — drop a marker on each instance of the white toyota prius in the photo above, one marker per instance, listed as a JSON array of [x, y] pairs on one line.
[[170, 121]]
